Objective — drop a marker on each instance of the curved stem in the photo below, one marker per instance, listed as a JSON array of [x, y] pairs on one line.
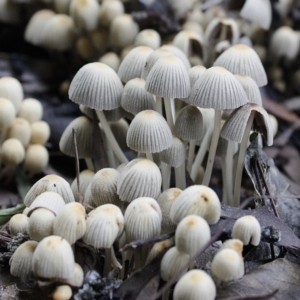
[[213, 147], [111, 138], [169, 112], [201, 153], [240, 162], [191, 155]]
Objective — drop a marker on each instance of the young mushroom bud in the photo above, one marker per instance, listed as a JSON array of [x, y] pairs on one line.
[[12, 152], [7, 113], [18, 224], [20, 130], [248, 230], [31, 110], [62, 292], [76, 280], [234, 244], [149, 38], [11, 89]]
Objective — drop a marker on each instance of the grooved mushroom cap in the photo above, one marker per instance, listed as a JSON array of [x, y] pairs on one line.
[[217, 88], [142, 219], [84, 128], [135, 98], [195, 285], [194, 73], [133, 63], [12, 90], [53, 258], [18, 223], [85, 178], [192, 233], [58, 33], [76, 280], [235, 125], [131, 183], [104, 187], [165, 201], [51, 183], [96, 86], [148, 37], [247, 229], [21, 261], [7, 113], [70, 222], [179, 53], [50, 200], [258, 11], [241, 59], [250, 87], [149, 132], [174, 156], [12, 152], [168, 78], [197, 200], [227, 265], [31, 110], [35, 26], [172, 263], [189, 123], [104, 225]]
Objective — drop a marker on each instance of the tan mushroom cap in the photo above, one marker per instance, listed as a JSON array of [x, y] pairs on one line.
[[148, 37], [7, 113], [11, 89], [12, 152]]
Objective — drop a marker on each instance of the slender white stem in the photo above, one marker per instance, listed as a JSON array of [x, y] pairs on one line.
[[107, 262], [240, 162], [229, 171], [169, 115], [213, 147], [89, 164], [225, 200], [191, 155], [159, 105], [165, 173], [115, 263], [110, 155], [201, 153], [149, 156], [180, 177], [111, 138]]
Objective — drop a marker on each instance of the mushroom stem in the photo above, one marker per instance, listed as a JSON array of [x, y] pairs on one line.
[[169, 112], [165, 172], [191, 155], [114, 261], [240, 162], [107, 262], [89, 164], [166, 294], [159, 105], [213, 147], [180, 177], [228, 184], [201, 153], [111, 138], [149, 156]]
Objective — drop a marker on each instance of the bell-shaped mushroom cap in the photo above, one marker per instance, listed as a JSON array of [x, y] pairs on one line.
[[248, 230], [7, 113], [53, 258], [189, 123], [104, 187], [135, 98], [85, 14], [149, 38], [241, 59], [229, 94], [109, 10], [149, 132], [58, 33], [36, 159], [133, 63], [83, 127], [177, 52], [11, 89], [40, 132], [195, 285], [235, 125], [258, 11], [194, 73], [35, 26], [41, 223], [197, 200], [76, 280], [122, 31], [174, 156], [192, 234], [131, 183], [250, 87], [12, 152], [50, 200], [172, 263], [18, 224], [85, 178], [21, 261], [193, 26], [234, 244], [20, 129], [96, 86], [50, 183], [104, 225], [285, 43], [142, 219], [165, 201], [31, 110], [70, 222], [168, 78], [227, 265], [111, 59]]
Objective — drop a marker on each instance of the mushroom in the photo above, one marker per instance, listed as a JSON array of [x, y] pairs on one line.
[[18, 224], [149, 38]]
